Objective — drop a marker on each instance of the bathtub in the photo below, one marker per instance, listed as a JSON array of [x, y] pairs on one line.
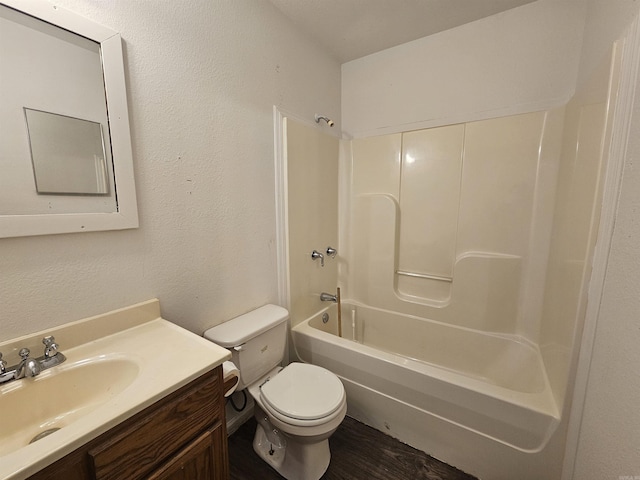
[[403, 373]]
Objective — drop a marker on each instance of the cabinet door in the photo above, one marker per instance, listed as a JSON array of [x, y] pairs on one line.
[[196, 461], [139, 446]]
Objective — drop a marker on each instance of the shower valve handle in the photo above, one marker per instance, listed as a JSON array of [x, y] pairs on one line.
[[316, 254]]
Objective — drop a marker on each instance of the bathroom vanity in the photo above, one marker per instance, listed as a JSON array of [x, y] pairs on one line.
[[136, 397], [182, 436]]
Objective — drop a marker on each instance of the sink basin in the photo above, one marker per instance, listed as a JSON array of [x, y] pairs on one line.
[[59, 396], [118, 363]]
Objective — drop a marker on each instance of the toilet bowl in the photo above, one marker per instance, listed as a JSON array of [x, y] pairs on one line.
[[297, 407]]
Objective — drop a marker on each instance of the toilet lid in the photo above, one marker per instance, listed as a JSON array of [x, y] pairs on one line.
[[304, 391]]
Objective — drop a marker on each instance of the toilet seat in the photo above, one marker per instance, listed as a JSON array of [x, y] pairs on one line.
[[303, 394]]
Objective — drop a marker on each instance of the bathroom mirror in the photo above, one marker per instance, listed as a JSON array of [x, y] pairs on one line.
[[65, 147]]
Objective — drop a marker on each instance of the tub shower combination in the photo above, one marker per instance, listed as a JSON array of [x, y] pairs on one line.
[[464, 263], [492, 385]]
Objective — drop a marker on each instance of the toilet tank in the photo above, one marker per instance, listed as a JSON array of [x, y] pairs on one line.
[[256, 339]]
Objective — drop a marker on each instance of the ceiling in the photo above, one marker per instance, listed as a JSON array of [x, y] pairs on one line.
[[351, 29]]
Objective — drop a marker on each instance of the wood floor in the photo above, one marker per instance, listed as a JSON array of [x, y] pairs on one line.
[[358, 452]]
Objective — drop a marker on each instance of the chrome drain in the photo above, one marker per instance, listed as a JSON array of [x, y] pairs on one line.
[[41, 435]]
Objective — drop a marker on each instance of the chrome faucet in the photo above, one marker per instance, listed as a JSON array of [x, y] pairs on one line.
[[31, 367], [327, 297], [28, 367]]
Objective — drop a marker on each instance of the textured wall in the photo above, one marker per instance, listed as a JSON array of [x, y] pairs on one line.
[[518, 61], [202, 79]]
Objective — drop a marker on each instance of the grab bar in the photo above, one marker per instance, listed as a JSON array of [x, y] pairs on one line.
[[424, 275]]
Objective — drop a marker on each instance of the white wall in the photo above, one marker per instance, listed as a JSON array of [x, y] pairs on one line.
[[610, 430], [605, 21], [202, 80], [521, 60]]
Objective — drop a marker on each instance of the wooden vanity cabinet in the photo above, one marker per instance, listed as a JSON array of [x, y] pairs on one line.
[[181, 437]]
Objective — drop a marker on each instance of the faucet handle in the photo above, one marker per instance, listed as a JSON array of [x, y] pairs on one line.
[[331, 252], [3, 364], [316, 254], [24, 353], [50, 346]]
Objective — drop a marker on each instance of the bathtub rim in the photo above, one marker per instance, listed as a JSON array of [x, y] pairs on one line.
[[542, 402], [542, 437]]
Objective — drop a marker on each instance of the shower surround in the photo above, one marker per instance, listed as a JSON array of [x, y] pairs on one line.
[[452, 239]]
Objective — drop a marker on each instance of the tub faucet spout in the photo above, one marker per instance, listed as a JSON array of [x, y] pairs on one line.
[[327, 297]]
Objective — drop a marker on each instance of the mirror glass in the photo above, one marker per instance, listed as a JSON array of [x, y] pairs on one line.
[[67, 154], [65, 147]]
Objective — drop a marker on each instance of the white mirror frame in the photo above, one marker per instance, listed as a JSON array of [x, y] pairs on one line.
[[116, 94]]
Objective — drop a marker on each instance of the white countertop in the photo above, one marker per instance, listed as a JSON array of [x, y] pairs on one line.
[[160, 358]]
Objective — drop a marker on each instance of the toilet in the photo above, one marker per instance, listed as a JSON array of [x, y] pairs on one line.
[[297, 407]]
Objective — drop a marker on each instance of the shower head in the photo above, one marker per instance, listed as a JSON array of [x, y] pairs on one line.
[[328, 120]]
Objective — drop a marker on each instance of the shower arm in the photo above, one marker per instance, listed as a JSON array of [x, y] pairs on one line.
[[326, 119]]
